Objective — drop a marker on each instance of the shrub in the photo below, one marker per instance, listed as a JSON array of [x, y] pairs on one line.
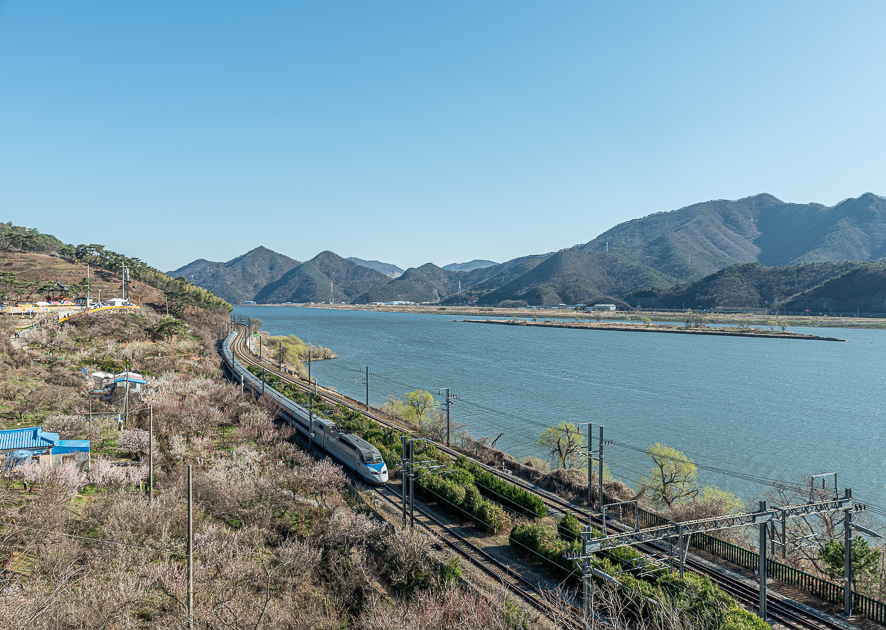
[[569, 528], [511, 496], [464, 501], [538, 540]]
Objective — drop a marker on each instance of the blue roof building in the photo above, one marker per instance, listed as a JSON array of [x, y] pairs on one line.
[[31, 439], [18, 444]]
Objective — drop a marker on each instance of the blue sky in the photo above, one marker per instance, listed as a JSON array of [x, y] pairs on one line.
[[412, 132]]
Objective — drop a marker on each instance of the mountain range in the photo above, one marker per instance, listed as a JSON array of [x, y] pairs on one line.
[[239, 279], [658, 258]]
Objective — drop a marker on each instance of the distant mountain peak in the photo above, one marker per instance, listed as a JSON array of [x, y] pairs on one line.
[[470, 266], [240, 278], [392, 271]]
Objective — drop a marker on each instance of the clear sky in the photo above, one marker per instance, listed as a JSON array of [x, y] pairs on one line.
[[414, 132]]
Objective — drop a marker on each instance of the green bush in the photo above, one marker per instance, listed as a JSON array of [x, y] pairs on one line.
[[569, 528], [464, 501], [511, 496], [450, 571], [539, 541]]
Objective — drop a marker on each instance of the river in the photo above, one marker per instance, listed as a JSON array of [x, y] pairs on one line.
[[770, 408]]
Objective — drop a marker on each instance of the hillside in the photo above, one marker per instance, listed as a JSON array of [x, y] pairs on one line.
[[862, 289], [32, 261], [392, 271], [575, 277], [469, 266], [698, 240], [311, 281], [428, 283], [241, 278], [748, 285], [486, 279]]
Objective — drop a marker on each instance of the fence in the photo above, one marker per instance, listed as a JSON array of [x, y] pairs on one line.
[[861, 604], [824, 589]]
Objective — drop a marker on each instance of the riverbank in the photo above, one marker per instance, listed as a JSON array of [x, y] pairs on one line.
[[708, 317], [660, 328]]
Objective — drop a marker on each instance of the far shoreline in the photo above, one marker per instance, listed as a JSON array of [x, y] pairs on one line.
[[643, 328], [710, 317]]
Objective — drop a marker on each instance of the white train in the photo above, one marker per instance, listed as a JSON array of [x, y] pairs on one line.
[[351, 451]]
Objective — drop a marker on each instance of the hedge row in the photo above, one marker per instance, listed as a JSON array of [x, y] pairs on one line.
[[463, 499], [511, 496], [691, 594], [540, 540]]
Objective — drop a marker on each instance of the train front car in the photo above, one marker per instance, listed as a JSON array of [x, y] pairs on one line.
[[370, 466]]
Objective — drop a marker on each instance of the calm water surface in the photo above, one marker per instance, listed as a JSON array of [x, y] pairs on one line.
[[769, 408]]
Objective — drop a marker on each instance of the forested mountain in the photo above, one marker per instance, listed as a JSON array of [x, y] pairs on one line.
[[469, 266], [575, 277], [748, 285], [862, 288], [427, 283], [700, 239], [239, 279], [312, 281], [392, 271], [481, 281]]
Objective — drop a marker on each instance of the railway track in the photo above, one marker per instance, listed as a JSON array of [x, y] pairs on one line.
[[781, 611], [512, 580]]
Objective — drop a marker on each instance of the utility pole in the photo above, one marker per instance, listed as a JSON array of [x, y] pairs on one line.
[[151, 454], [403, 492], [590, 462], [88, 286], [449, 399], [190, 549], [126, 398], [310, 421], [125, 276], [366, 369], [847, 558], [411, 484], [762, 567], [600, 478], [309, 367]]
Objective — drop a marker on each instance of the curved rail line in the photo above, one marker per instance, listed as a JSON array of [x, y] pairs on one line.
[[781, 611], [504, 574]]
